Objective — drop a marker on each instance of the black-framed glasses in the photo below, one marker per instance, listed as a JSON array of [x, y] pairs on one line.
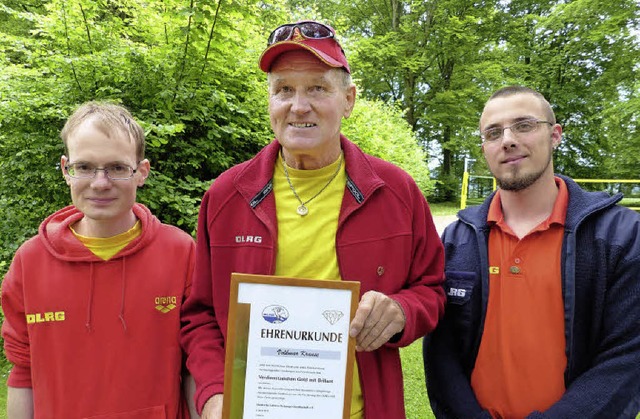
[[521, 127], [308, 28], [88, 171]]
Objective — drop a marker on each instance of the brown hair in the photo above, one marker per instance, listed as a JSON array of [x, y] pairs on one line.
[[515, 90], [110, 119]]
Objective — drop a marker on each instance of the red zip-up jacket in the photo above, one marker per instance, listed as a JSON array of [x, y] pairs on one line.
[[386, 240], [97, 338]]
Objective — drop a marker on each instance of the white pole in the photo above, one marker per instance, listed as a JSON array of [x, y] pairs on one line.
[[466, 163]]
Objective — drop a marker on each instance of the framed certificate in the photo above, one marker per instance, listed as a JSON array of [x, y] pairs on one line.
[[288, 350]]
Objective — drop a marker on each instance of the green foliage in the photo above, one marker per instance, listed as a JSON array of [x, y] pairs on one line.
[[440, 60], [188, 73], [584, 58], [160, 192], [381, 131], [427, 58]]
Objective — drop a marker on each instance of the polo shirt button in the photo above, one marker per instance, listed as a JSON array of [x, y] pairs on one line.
[[517, 260], [380, 270], [514, 270]]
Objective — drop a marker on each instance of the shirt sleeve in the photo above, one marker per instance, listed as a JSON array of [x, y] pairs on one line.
[[14, 327], [200, 336], [422, 299]]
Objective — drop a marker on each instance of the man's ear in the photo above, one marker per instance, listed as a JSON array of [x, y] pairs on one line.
[[556, 135], [351, 100], [63, 162], [144, 167]]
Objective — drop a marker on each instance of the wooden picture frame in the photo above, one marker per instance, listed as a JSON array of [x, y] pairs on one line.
[[288, 350]]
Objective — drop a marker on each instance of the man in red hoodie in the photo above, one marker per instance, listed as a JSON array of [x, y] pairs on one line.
[[92, 302], [315, 206]]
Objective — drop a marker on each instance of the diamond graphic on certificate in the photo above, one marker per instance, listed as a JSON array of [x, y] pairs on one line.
[[332, 316]]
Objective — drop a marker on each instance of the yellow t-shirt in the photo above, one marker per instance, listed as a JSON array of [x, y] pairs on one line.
[[108, 247], [307, 244]]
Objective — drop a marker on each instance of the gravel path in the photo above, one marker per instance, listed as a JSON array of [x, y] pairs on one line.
[[441, 221]]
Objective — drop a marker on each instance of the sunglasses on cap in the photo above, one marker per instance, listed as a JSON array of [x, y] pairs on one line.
[[309, 29]]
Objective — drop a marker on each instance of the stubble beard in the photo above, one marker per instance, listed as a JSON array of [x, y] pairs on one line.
[[520, 182]]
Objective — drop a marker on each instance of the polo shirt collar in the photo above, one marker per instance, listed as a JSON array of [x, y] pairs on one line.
[[558, 213]]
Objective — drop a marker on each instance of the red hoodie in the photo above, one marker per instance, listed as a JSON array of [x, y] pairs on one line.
[[98, 338]]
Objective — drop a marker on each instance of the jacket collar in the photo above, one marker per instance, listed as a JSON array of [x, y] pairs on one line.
[[581, 205], [255, 180]]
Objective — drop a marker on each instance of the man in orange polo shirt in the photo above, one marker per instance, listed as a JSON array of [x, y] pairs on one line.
[[542, 283]]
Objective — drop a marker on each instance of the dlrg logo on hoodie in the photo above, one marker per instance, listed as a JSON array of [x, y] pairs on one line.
[[49, 316]]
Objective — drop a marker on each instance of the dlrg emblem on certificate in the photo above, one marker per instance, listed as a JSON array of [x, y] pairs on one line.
[[288, 353]]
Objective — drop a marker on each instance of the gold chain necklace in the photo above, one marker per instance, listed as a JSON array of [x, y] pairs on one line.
[[302, 209]]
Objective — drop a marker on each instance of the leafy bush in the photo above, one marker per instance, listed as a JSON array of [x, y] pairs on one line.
[[181, 71], [380, 130]]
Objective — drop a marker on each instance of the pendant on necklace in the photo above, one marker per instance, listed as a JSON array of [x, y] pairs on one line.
[[302, 210]]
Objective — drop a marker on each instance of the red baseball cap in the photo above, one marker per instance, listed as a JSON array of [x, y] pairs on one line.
[[327, 50]]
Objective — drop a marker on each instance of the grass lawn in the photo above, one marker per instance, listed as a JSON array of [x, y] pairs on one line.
[[416, 402], [444, 208], [3, 398]]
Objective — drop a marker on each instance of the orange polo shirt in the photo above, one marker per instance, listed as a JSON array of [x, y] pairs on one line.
[[521, 361]]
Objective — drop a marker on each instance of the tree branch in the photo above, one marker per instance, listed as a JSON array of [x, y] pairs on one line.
[[184, 56], [166, 35], [206, 54], [86, 27], [66, 33]]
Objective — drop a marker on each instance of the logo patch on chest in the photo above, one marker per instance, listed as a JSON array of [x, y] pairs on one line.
[[248, 239], [166, 304], [48, 316]]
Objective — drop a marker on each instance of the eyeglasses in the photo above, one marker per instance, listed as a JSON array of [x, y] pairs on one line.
[[308, 29], [88, 171], [520, 127]]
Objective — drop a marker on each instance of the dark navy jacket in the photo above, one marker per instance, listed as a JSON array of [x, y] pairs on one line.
[[601, 291]]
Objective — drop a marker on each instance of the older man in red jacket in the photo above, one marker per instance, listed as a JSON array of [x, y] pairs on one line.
[[321, 209]]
